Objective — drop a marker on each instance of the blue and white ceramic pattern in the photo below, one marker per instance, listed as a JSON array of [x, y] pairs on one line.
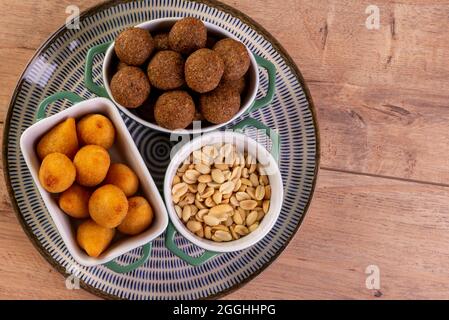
[[58, 66]]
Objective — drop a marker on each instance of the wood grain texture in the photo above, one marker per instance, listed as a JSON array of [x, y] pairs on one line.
[[382, 197]]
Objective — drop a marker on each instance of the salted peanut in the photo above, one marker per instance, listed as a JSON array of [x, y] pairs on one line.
[[92, 165], [200, 214], [108, 206], [236, 173], [260, 215], [254, 179], [198, 204], [56, 173], [123, 177], [62, 138], [267, 193], [223, 235], [251, 192], [179, 189], [248, 204], [210, 151], [237, 217], [253, 227], [242, 196], [139, 217], [208, 192], [183, 167], [217, 176], [237, 184], [245, 173], [209, 202], [211, 220], [93, 238], [200, 233], [202, 168], [260, 192], [217, 197], [205, 178], [229, 221], [194, 226], [176, 180], [266, 206], [234, 202], [222, 208], [235, 235], [186, 213], [227, 187], [263, 180], [178, 210], [241, 230], [221, 166], [75, 201], [214, 184], [246, 182], [251, 218], [201, 187]]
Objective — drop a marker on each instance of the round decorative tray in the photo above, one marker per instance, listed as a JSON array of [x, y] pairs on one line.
[[59, 66]]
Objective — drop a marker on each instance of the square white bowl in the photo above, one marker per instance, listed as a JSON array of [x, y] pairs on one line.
[[124, 150]]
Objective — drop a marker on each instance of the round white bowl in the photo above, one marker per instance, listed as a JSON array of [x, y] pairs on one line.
[[164, 24], [256, 150]]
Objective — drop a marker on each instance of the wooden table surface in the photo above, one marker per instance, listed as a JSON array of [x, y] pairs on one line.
[[382, 198]]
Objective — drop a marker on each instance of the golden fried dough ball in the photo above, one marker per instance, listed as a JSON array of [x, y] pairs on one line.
[[61, 138], [93, 238], [139, 217], [123, 177], [56, 173], [96, 129], [92, 164], [75, 201], [108, 206]]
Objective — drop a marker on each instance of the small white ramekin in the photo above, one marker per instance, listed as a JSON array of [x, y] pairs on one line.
[[125, 151], [256, 150]]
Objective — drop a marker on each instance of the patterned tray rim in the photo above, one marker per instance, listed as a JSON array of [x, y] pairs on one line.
[[105, 5]]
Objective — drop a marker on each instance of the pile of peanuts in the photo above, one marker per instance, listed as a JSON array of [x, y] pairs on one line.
[[220, 193]]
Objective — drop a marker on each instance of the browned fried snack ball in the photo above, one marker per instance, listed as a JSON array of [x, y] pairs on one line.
[[139, 217], [161, 41], [96, 129], [235, 57], [187, 35], [220, 105], [203, 70], [108, 206], [123, 177], [74, 201], [92, 164], [166, 70], [130, 87], [56, 173], [237, 85], [174, 110], [93, 238], [121, 65], [134, 46]]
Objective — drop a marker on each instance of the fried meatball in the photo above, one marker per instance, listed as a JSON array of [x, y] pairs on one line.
[[220, 105], [166, 70], [203, 70], [187, 35], [130, 87], [174, 110], [161, 41], [235, 57], [134, 46], [238, 85]]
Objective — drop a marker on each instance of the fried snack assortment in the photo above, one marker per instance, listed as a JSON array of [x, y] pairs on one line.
[[207, 74], [76, 167]]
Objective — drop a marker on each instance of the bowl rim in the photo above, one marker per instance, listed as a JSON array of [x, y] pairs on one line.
[[276, 197], [108, 59], [93, 105]]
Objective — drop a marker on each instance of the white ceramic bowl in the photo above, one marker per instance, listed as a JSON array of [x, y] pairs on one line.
[[125, 151], [256, 150], [164, 24]]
